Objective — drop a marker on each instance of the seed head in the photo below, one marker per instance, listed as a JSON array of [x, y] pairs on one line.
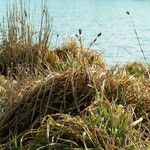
[[127, 12], [76, 35], [80, 31], [99, 34], [44, 10]]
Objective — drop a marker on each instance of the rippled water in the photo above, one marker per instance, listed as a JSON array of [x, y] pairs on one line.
[[118, 41]]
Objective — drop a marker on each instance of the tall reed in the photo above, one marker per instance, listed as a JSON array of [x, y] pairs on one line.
[[19, 45]]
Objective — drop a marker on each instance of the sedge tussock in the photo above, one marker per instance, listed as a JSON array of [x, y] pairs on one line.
[[67, 97], [96, 129], [19, 50], [70, 54], [68, 92]]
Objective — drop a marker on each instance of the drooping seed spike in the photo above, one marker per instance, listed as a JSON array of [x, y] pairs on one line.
[[44, 10], [80, 31], [127, 12], [99, 34], [76, 35]]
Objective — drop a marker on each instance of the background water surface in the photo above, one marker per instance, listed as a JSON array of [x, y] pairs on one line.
[[118, 41]]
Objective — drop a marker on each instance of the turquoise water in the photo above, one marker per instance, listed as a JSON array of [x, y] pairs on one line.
[[118, 41]]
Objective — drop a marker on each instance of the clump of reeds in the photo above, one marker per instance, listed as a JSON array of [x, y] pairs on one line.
[[69, 92], [67, 98], [70, 54], [101, 127], [20, 51], [123, 86], [23, 51], [113, 108]]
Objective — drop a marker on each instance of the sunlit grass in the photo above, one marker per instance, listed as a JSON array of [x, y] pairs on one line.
[[67, 97]]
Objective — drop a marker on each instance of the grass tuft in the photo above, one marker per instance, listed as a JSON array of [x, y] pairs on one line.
[[67, 97]]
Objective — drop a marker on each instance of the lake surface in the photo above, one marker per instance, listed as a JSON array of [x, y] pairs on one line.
[[118, 41]]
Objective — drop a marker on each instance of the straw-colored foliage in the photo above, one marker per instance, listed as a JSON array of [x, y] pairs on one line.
[[67, 97], [21, 48], [69, 92]]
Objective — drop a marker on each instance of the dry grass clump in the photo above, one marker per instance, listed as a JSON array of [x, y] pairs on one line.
[[19, 58], [113, 108], [127, 89], [71, 54], [138, 70], [25, 51], [103, 127], [21, 48], [131, 91], [66, 97], [69, 92]]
